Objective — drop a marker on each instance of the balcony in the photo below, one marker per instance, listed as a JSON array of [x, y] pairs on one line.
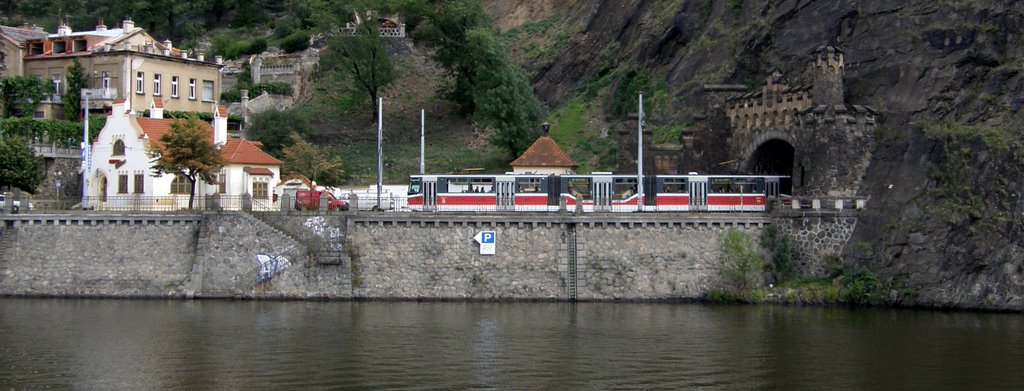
[[101, 93]]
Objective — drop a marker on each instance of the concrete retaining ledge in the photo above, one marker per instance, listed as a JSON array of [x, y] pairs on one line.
[[14, 220], [633, 220]]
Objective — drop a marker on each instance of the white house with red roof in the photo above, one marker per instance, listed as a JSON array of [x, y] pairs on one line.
[[120, 172]]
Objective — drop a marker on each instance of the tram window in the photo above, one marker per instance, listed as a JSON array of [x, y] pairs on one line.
[[579, 186], [414, 186], [459, 185], [482, 185], [624, 187], [528, 185], [724, 185], [674, 185]]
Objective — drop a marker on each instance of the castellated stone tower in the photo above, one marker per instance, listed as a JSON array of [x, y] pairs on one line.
[[826, 70], [805, 131]]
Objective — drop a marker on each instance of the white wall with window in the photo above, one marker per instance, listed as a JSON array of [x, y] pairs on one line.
[[174, 86], [192, 89], [208, 90], [156, 84], [140, 82]]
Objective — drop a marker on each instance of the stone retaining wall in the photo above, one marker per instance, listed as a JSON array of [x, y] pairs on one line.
[[113, 257], [821, 239], [386, 256]]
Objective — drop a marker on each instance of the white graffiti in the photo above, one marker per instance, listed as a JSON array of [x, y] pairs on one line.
[[270, 266], [332, 235]]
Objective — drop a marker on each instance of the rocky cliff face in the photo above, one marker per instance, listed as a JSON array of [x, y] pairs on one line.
[[943, 227]]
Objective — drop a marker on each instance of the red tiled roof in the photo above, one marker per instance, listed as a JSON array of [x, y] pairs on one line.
[[544, 153], [236, 151], [240, 151], [158, 103], [222, 111], [260, 171]]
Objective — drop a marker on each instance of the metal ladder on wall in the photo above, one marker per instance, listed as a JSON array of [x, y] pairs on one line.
[[571, 258]]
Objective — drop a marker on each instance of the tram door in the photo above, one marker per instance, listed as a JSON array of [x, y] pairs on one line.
[[699, 194], [505, 192], [603, 193], [429, 195], [772, 187]]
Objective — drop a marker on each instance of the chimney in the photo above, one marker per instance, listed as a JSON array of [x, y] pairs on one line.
[[156, 109], [117, 109], [184, 54], [200, 56], [218, 60], [167, 47], [128, 25], [220, 125], [100, 26], [545, 127], [63, 30]]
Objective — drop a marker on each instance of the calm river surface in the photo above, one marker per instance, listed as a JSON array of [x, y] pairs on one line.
[[222, 345]]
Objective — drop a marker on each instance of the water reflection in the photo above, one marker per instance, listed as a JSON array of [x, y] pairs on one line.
[[108, 344]]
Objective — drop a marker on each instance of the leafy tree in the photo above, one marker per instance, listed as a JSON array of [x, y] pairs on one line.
[[315, 162], [19, 165], [503, 97], [363, 58], [445, 29], [21, 94], [742, 265], [77, 80], [188, 151], [272, 128]]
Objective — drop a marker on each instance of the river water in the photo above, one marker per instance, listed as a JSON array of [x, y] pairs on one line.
[[232, 345]]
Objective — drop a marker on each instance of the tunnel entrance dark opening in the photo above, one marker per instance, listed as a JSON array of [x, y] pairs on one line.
[[774, 157]]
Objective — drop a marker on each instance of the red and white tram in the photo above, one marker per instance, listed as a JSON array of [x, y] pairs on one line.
[[598, 192]]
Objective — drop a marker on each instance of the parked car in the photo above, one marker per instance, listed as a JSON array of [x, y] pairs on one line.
[[17, 204], [310, 200]]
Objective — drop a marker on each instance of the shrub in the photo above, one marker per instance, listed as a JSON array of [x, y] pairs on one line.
[[742, 265], [860, 286], [298, 41], [257, 46]]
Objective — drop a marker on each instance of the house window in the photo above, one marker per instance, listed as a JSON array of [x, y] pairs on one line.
[[106, 81], [180, 185], [118, 148], [208, 90], [192, 89], [140, 77], [222, 183], [156, 84], [56, 84], [174, 86], [60, 47], [259, 190], [122, 184], [140, 181]]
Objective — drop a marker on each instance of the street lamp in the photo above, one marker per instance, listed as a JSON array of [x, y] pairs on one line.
[[56, 183]]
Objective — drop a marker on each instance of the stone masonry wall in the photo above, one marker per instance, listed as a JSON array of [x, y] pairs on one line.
[[819, 238], [120, 259], [652, 263], [227, 266]]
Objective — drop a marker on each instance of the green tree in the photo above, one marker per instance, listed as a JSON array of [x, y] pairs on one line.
[[77, 81], [313, 161], [742, 265], [503, 97], [272, 128], [445, 29], [21, 95], [19, 165], [363, 59], [188, 151]]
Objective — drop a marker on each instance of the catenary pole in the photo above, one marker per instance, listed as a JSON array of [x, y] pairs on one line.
[[640, 157], [380, 158], [86, 158], [423, 133]]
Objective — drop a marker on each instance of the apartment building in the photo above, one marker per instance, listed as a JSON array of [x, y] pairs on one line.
[[122, 63]]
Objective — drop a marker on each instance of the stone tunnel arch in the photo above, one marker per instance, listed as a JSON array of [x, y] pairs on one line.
[[772, 154]]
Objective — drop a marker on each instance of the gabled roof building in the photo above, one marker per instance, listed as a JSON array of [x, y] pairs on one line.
[[544, 157]]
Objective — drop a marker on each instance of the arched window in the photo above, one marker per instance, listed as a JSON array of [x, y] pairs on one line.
[[180, 185], [118, 148]]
